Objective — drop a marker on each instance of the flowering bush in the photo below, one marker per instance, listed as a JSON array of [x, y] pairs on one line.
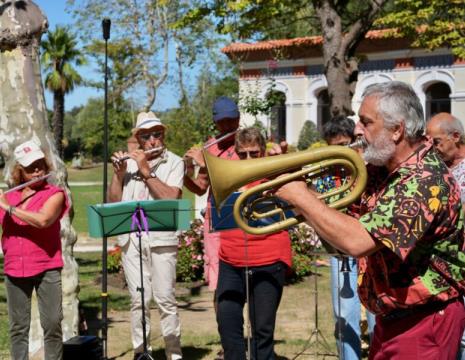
[[304, 242], [190, 253], [114, 264]]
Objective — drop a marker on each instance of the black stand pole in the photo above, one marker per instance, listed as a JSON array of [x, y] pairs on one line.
[[145, 354], [106, 23]]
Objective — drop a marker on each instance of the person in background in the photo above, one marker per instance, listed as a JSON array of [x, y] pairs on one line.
[[449, 140], [266, 259], [346, 303], [150, 176], [409, 236], [226, 118], [31, 243]]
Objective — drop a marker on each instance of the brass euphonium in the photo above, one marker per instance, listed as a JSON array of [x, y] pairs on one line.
[[226, 176]]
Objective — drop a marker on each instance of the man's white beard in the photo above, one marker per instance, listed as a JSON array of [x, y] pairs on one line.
[[381, 150]]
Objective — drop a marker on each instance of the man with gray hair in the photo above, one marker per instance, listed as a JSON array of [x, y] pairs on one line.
[[448, 138], [409, 233]]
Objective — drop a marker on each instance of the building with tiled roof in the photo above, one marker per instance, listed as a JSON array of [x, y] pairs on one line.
[[296, 65]]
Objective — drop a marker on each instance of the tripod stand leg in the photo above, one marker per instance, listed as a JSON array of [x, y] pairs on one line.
[[319, 337]]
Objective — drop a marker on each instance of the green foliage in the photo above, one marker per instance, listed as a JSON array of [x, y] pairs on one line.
[[142, 35], [89, 127], [308, 135], [192, 123], [431, 24], [252, 104], [114, 264], [59, 53], [304, 242], [189, 266]]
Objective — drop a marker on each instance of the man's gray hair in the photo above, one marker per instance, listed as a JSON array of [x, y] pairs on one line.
[[451, 126], [397, 102]]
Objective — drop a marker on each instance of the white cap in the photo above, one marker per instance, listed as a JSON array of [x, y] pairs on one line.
[[27, 153], [147, 120]]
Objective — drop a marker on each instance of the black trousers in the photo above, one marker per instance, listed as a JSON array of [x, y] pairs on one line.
[[266, 287]]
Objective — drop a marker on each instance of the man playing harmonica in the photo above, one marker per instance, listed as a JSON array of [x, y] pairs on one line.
[[409, 236], [149, 175]]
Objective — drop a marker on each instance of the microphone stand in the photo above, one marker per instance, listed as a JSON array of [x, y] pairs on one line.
[[106, 24]]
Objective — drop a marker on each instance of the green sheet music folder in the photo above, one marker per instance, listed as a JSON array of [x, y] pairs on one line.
[[116, 218]]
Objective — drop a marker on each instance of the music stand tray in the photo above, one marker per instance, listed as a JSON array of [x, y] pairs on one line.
[[116, 218], [112, 219]]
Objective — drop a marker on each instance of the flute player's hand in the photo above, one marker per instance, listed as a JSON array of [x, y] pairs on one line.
[[196, 154], [119, 167]]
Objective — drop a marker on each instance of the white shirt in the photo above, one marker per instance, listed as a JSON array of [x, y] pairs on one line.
[[169, 168]]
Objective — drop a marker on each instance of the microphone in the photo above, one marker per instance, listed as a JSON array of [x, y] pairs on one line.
[[106, 23]]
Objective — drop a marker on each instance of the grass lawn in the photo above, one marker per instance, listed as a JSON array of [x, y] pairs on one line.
[[200, 340], [91, 173]]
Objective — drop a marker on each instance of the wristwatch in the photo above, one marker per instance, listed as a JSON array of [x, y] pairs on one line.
[[152, 175]]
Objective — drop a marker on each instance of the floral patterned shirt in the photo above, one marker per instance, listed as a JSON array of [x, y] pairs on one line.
[[415, 212]]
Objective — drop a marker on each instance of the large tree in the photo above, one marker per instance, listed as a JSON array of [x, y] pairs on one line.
[[59, 53], [23, 117], [145, 31], [431, 24], [343, 25]]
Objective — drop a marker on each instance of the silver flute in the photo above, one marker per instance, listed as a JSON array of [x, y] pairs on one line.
[[27, 183], [191, 162], [154, 150]]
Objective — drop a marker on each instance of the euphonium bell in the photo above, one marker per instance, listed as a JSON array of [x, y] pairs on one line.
[[226, 176]]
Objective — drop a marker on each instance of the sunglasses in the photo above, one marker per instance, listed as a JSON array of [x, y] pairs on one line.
[[154, 134], [244, 154]]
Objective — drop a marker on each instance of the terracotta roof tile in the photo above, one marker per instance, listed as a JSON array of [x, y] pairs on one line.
[[301, 41]]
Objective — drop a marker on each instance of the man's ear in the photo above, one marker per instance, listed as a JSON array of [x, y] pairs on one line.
[[456, 137], [398, 133]]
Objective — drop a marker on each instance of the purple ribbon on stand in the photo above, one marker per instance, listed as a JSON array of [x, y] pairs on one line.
[[140, 214]]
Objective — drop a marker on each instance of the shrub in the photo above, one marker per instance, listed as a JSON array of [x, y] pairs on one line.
[[189, 266], [304, 242], [114, 264]]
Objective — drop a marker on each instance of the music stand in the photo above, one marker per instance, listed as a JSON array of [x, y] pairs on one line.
[[118, 218]]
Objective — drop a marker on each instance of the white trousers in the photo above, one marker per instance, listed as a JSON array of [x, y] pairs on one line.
[[159, 271]]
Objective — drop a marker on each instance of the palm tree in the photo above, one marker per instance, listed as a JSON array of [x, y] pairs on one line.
[[59, 53]]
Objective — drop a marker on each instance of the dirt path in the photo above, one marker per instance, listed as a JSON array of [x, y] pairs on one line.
[[295, 326]]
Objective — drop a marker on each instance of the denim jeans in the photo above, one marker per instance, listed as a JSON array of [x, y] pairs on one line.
[[49, 296], [265, 290], [346, 309]]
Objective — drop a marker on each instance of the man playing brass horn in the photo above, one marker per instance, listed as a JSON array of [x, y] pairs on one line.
[[409, 234]]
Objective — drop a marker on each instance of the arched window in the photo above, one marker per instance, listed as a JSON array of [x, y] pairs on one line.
[[278, 116], [437, 99], [323, 109]]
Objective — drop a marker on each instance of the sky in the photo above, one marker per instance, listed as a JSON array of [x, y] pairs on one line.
[[167, 96]]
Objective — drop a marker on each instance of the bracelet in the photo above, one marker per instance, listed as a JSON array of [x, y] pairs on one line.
[[11, 209]]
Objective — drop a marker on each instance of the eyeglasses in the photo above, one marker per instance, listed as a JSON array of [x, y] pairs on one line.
[[154, 134], [244, 154]]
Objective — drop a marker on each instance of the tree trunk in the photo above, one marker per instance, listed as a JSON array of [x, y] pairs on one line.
[[340, 80], [58, 118], [23, 117], [340, 64]]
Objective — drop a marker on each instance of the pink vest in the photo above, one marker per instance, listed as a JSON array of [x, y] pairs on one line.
[[29, 251]]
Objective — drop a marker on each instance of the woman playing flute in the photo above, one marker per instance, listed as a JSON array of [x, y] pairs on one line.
[[30, 219]]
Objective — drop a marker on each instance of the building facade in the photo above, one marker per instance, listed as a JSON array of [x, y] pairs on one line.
[[294, 69]]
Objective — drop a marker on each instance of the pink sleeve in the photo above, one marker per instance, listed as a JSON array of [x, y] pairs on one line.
[[66, 206]]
